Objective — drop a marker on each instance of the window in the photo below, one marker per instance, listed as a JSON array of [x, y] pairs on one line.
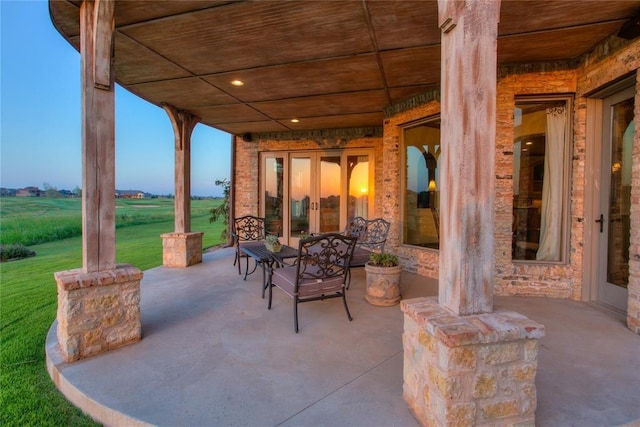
[[540, 179], [421, 184]]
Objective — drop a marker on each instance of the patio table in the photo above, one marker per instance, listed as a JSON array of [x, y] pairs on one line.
[[265, 257]]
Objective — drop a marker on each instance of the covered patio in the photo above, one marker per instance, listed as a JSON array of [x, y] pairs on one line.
[[310, 91], [212, 354]]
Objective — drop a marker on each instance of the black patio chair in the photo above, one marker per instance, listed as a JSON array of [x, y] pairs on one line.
[[320, 271], [247, 230], [371, 235]]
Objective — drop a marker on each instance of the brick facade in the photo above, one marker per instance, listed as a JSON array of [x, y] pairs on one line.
[[608, 63], [247, 167]]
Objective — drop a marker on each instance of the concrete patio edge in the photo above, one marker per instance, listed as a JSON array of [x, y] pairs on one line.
[[98, 412]]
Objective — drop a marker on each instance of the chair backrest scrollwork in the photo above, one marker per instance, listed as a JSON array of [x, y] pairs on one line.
[[371, 233], [248, 228], [325, 256]]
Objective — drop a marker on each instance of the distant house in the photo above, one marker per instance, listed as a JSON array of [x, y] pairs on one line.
[[29, 192], [129, 194]]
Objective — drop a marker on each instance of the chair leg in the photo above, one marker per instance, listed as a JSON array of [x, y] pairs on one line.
[[246, 269], [238, 261], [344, 300], [270, 293], [295, 314], [348, 278]]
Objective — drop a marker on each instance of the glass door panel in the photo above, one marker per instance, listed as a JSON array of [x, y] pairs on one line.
[[314, 191], [358, 186], [615, 224], [300, 196], [330, 191], [273, 183], [620, 193]]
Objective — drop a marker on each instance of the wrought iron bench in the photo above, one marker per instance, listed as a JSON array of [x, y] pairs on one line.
[[371, 236]]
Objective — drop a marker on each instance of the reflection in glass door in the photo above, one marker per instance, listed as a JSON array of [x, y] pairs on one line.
[[330, 189], [358, 186], [273, 184], [615, 218], [300, 196], [314, 191]]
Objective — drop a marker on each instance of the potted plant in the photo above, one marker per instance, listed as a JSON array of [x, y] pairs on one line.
[[383, 279], [272, 243]]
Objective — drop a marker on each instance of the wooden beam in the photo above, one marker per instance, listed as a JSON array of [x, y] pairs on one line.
[[98, 135], [468, 129], [183, 123]]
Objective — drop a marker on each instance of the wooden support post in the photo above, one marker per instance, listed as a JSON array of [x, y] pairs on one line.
[[183, 124], [468, 125], [98, 305], [98, 136], [182, 248]]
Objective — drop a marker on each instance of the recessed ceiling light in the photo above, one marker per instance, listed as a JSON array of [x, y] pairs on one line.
[[237, 82], [529, 142], [295, 121]]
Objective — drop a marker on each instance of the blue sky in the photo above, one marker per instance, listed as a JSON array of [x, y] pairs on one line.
[[40, 130]]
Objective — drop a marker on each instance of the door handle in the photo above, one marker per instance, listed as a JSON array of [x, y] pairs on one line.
[[601, 221]]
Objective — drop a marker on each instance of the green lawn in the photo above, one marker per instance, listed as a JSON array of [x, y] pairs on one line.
[[28, 303]]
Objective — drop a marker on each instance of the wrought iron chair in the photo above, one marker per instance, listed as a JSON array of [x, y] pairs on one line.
[[320, 271], [247, 230], [371, 235]]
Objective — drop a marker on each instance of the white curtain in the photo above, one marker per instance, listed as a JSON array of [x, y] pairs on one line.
[[551, 220]]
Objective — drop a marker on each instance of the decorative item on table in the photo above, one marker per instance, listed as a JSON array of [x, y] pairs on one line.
[[272, 243]]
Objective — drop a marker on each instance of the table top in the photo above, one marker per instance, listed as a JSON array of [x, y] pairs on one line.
[[262, 254]]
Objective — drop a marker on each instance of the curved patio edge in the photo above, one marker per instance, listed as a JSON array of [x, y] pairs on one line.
[[99, 412]]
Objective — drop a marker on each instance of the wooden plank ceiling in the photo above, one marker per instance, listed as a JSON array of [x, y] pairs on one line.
[[329, 64]]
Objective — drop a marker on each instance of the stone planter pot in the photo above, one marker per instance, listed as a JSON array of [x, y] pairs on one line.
[[383, 285]]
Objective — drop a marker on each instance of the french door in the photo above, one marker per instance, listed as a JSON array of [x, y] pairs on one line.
[[314, 191], [615, 199]]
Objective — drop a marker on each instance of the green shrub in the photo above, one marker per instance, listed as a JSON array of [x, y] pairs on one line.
[[383, 260], [8, 252]]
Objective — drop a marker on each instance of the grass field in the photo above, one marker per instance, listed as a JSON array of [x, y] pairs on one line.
[[28, 297]]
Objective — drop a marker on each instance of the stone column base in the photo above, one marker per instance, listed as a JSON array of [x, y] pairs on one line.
[[98, 311], [471, 370], [633, 305], [181, 249]]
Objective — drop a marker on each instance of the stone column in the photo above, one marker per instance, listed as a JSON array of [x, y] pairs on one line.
[[98, 305], [633, 305], [182, 247], [463, 364]]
